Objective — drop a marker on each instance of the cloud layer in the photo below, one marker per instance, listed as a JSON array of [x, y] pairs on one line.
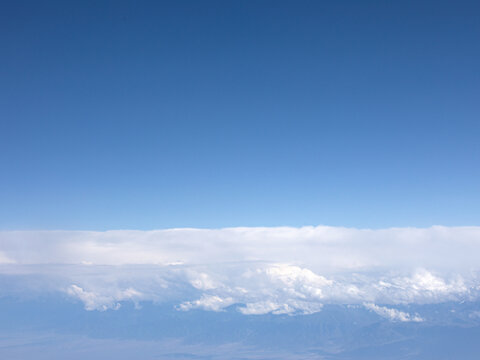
[[259, 270]]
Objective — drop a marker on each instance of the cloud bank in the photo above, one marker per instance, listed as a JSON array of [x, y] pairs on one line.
[[257, 270]]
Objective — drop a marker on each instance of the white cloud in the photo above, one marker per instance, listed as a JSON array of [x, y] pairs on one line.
[[5, 259], [207, 302], [431, 288], [289, 306], [393, 314], [320, 248], [102, 302], [262, 270], [261, 307], [303, 282], [202, 281]]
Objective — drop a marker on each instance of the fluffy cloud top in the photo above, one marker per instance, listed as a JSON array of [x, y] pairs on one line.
[[258, 270]]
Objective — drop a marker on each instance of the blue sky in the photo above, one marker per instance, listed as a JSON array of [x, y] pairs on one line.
[[145, 115]]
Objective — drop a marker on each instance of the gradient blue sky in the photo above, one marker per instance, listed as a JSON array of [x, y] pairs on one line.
[[145, 115]]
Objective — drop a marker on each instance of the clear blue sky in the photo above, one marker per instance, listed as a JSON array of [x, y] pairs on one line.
[[239, 113]]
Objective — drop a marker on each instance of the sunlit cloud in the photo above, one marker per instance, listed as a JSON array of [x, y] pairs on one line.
[[255, 270]]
